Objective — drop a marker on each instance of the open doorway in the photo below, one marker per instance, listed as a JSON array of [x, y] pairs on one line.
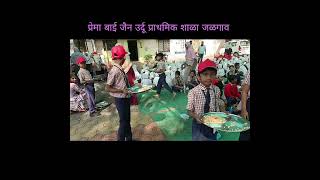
[[133, 49]]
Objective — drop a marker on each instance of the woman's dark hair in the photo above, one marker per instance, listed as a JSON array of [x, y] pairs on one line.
[[160, 55], [178, 73], [72, 75], [232, 77]]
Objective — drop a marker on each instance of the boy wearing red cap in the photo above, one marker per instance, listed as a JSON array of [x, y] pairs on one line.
[[117, 86], [86, 79], [202, 99]]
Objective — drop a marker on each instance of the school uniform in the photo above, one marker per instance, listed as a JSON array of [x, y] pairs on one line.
[[202, 100], [84, 75], [162, 78], [117, 79]]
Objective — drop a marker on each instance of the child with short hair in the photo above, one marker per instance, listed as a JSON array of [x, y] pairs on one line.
[[162, 76], [192, 80], [202, 99], [177, 83], [76, 95], [86, 80]]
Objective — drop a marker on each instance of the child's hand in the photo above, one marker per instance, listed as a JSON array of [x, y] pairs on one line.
[[89, 81], [126, 91], [244, 114], [199, 119]]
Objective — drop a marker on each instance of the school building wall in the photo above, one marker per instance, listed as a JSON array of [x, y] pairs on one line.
[[150, 46]]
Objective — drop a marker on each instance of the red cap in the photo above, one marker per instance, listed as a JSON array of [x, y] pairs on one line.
[[206, 64], [227, 56], [118, 52], [81, 60], [94, 52]]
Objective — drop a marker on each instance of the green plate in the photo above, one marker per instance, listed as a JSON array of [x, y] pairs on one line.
[[235, 123], [215, 114], [136, 89]]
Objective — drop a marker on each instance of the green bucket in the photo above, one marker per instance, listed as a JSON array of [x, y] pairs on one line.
[[228, 136]]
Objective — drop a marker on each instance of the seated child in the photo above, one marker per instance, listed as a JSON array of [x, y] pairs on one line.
[[177, 84], [231, 91], [192, 80], [77, 96]]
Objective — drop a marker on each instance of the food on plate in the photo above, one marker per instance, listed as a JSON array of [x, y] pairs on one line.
[[213, 120]]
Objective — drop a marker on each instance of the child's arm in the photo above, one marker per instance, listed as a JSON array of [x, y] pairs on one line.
[[115, 90], [190, 107], [194, 84], [195, 116], [77, 89], [180, 87], [82, 81], [111, 81], [245, 90], [222, 107], [88, 81]]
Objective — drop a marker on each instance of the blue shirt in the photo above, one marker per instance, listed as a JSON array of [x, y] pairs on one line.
[[202, 49]]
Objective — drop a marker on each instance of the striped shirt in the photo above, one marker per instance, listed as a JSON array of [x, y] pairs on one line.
[[161, 65], [84, 75], [116, 79], [196, 99]]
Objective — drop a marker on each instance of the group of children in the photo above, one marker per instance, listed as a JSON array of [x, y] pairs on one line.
[[208, 97], [77, 95], [205, 95]]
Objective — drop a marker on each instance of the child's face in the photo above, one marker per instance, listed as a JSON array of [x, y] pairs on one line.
[[73, 79], [177, 75], [82, 65], [122, 61], [207, 77], [192, 74], [119, 61]]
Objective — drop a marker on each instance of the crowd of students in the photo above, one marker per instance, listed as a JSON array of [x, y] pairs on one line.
[[212, 86]]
